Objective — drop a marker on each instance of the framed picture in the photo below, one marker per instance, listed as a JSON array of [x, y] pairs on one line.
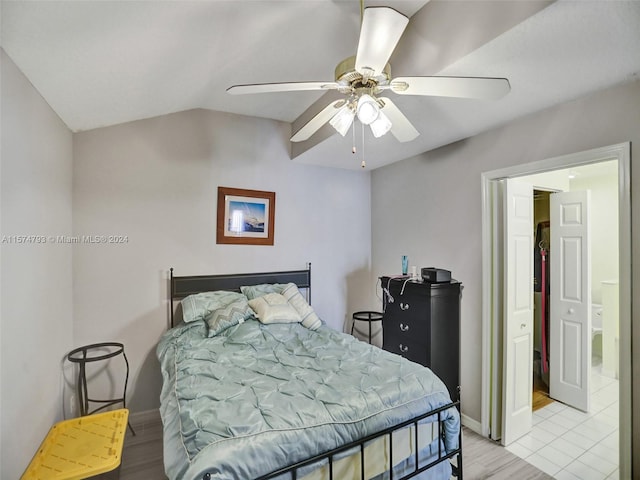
[[245, 216]]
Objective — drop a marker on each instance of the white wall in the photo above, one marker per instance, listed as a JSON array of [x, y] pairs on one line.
[[554, 180], [604, 228], [36, 313], [429, 206], [603, 184], [156, 181]]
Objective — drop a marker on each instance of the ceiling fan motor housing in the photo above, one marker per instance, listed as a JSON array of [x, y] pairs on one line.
[[350, 79]]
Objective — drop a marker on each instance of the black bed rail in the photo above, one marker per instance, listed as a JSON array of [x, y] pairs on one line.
[[360, 443], [442, 456]]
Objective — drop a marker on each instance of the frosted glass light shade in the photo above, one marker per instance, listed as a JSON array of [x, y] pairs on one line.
[[380, 125], [368, 109], [342, 120]]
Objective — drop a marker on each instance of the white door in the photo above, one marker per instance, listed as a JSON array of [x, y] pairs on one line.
[[570, 300], [518, 311]]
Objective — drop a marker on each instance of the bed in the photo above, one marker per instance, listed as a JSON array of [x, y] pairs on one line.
[[260, 393]]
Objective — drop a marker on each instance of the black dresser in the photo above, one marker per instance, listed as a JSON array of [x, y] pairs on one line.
[[422, 324]]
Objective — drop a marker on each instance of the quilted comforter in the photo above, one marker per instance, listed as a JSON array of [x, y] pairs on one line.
[[258, 397]]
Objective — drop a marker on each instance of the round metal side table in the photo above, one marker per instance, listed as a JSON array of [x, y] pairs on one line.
[[97, 352], [366, 316]]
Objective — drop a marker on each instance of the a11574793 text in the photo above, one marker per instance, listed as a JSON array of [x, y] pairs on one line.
[[63, 239]]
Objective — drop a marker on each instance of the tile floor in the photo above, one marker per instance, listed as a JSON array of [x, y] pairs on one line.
[[572, 445]]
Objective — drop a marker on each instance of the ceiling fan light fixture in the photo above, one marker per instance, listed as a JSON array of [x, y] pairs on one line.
[[380, 125], [342, 120], [364, 76], [368, 109]]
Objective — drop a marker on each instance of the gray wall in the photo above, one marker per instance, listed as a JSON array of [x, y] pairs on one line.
[[429, 206], [156, 181], [36, 321]]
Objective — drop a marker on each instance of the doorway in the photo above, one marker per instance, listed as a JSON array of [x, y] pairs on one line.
[[494, 379], [541, 273]]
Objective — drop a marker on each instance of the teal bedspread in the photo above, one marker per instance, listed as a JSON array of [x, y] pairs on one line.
[[258, 397]]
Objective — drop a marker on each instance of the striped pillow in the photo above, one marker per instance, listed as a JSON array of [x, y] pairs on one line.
[[306, 312]]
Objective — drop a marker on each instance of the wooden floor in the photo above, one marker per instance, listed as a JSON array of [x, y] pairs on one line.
[[540, 400], [482, 458], [540, 393]]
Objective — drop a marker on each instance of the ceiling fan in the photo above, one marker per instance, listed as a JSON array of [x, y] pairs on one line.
[[367, 75]]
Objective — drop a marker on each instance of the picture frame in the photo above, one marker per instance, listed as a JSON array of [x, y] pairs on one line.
[[245, 217]]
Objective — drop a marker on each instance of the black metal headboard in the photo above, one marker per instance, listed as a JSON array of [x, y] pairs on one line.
[[184, 286]]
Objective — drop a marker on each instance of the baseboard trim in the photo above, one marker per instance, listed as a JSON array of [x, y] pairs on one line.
[[471, 424]]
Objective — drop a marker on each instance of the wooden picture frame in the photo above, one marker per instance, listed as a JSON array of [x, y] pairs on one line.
[[245, 217]]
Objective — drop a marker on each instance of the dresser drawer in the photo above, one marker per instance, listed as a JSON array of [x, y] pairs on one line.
[[414, 351], [408, 318], [405, 330]]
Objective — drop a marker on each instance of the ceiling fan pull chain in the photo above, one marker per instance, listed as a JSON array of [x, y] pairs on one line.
[[353, 130], [363, 164]]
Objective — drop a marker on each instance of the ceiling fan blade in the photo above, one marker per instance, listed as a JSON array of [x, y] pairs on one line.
[[465, 87], [280, 87], [313, 125], [381, 30], [401, 127]]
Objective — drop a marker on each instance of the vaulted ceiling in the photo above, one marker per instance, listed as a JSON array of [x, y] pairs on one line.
[[100, 63]]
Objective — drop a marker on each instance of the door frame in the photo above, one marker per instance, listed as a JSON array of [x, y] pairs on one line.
[[492, 286]]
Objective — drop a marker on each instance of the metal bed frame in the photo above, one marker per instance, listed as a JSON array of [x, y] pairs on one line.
[[442, 456], [183, 286]]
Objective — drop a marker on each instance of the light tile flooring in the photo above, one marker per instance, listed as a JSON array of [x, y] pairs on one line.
[[572, 445]]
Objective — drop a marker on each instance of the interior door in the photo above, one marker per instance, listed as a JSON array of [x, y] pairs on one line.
[[570, 300], [518, 311]]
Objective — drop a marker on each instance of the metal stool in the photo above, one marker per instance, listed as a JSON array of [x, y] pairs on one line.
[[366, 316], [82, 356]]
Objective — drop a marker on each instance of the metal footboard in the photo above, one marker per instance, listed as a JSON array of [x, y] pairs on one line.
[[292, 470]]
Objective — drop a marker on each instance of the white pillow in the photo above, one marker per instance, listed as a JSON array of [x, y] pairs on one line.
[[274, 308]]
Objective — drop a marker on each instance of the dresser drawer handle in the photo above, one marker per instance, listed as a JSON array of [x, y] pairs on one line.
[[404, 306], [403, 327], [404, 348]]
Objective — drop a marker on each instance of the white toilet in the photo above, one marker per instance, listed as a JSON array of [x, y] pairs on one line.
[[596, 328]]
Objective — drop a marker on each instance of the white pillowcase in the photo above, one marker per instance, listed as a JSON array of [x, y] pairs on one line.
[[274, 308]]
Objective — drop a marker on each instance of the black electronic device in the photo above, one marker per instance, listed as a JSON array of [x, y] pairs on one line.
[[435, 275]]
